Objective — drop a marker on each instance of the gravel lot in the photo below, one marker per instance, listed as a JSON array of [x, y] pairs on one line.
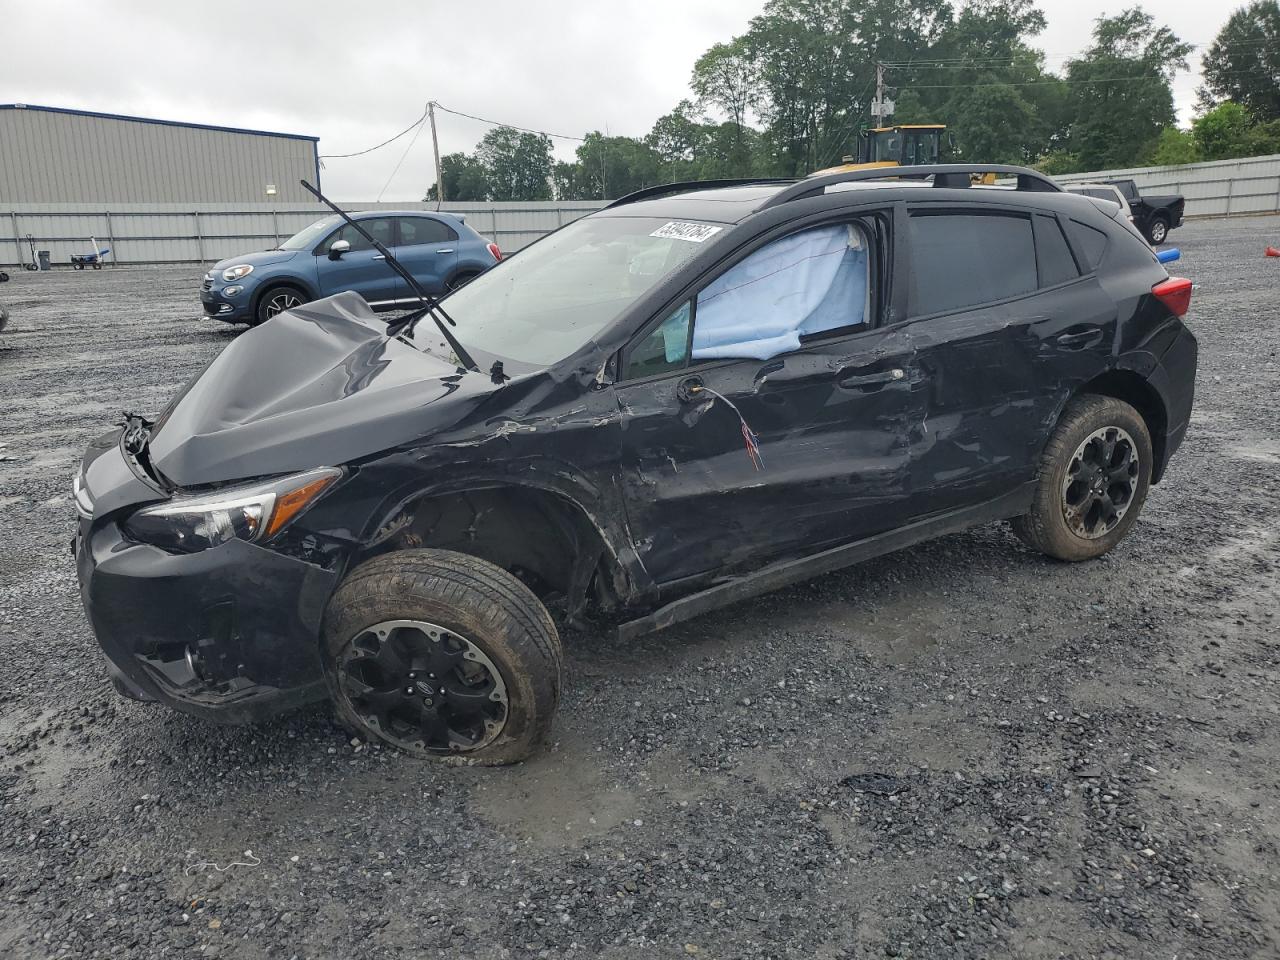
[[962, 750]]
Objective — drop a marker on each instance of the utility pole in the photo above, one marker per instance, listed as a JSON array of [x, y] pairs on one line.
[[435, 149], [880, 108]]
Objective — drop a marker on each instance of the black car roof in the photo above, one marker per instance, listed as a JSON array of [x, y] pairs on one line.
[[733, 204]]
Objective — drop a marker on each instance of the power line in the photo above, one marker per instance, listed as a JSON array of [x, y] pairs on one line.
[[421, 124], [499, 123], [361, 153]]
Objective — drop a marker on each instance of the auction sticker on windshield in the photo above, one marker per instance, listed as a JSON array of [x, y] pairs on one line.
[[693, 232]]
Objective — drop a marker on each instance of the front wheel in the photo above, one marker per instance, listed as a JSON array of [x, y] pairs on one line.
[[1158, 231], [277, 300], [1093, 479], [443, 655]]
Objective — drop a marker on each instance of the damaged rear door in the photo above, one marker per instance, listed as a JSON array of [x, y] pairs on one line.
[[731, 462], [1005, 327]]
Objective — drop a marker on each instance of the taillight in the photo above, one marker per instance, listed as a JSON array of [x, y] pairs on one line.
[[493, 249], [1174, 293]]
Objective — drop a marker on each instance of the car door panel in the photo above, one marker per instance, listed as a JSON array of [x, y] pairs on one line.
[[362, 268], [428, 249], [837, 423], [999, 375]]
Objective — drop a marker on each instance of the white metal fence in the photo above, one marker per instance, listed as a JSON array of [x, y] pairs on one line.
[[1219, 188], [203, 233]]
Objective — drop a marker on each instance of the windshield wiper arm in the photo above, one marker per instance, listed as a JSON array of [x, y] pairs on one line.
[[430, 306]]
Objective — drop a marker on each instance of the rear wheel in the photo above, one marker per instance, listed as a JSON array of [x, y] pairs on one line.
[[1093, 480], [444, 656], [1158, 231], [277, 300]]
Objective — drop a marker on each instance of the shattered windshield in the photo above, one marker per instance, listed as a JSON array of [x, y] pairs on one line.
[[555, 296], [308, 237]]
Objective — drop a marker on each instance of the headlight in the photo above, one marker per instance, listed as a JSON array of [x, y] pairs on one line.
[[231, 291], [236, 272], [253, 513]]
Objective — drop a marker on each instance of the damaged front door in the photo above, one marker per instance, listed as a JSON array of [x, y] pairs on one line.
[[734, 462]]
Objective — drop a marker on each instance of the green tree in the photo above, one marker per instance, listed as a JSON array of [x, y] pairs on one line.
[[1121, 89], [991, 123], [1175, 147], [728, 77], [517, 165], [1059, 161], [1243, 63], [984, 81], [1226, 132], [464, 178], [816, 67], [611, 167]]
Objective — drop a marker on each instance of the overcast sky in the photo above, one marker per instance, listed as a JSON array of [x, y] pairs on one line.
[[356, 73]]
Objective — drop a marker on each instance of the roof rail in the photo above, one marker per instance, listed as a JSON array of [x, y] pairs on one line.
[[662, 190], [944, 175]]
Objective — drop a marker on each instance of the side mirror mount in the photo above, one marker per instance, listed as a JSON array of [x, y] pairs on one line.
[[338, 248]]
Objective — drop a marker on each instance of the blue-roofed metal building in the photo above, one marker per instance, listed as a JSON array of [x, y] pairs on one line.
[[54, 155]]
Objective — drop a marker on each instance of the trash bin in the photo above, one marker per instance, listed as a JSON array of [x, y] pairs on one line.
[[44, 259]]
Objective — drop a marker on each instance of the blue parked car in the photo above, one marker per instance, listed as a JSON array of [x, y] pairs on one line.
[[329, 257]]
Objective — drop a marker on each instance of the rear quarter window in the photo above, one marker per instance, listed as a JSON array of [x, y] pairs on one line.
[[1090, 244], [1053, 255], [964, 259]]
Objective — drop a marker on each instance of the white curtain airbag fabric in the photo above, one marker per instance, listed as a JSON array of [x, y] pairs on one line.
[[806, 283]]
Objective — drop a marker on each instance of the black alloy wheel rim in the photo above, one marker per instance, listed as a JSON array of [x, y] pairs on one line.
[[1100, 483], [282, 302], [423, 687]]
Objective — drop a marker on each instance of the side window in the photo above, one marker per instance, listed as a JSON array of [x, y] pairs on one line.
[[808, 284], [416, 230], [665, 348], [1090, 244], [1053, 255], [964, 259], [380, 228]]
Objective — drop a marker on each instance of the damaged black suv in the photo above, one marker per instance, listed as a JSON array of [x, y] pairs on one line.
[[699, 393]]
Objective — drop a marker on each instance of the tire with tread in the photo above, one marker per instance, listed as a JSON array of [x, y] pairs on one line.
[[1044, 527], [260, 311], [478, 600], [1163, 231]]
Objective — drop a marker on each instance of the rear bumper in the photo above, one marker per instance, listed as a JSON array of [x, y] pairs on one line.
[[229, 634], [1174, 378]]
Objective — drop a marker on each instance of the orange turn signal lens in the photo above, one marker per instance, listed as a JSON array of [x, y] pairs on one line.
[[289, 505]]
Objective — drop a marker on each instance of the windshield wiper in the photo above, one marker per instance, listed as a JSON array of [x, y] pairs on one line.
[[430, 306]]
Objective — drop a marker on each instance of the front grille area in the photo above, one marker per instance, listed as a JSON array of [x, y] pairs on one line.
[[208, 282]]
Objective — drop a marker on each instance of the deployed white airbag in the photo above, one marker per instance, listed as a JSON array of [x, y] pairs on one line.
[[804, 284]]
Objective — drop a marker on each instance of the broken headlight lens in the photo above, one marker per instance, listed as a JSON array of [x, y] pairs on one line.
[[253, 513], [237, 272]]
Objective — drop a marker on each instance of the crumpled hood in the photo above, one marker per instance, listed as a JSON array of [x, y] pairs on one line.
[[320, 385], [260, 258]]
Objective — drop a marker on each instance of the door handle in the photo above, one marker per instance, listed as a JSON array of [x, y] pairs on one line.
[[1082, 339], [855, 382], [446, 250], [378, 256]]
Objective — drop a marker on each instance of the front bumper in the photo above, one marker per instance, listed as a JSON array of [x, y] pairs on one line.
[[232, 310], [230, 634]]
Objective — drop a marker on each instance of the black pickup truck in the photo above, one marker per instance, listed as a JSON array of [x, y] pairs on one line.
[[1154, 215]]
